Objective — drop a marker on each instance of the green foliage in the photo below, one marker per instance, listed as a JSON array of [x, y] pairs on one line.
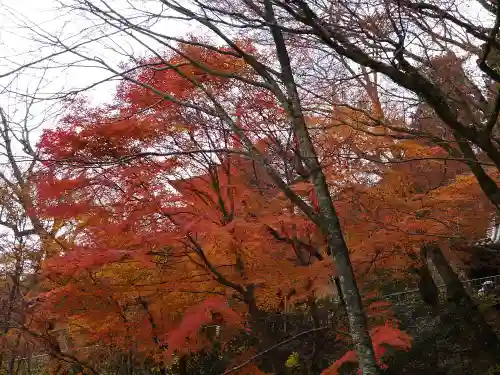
[[293, 360], [494, 370]]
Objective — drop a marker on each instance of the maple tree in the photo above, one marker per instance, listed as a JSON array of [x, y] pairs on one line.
[[211, 174], [226, 227], [227, 232], [26, 238], [125, 213], [394, 195], [448, 95]]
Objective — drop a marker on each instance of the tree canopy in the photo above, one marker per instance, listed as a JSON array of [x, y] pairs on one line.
[[243, 203]]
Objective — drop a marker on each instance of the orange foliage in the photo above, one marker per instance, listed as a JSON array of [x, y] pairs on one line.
[[186, 214], [393, 196], [140, 246]]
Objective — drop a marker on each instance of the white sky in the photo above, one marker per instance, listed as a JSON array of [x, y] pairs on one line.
[[20, 45], [17, 46]]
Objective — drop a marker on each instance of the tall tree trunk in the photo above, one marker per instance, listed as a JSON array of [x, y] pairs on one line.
[[465, 306], [330, 224], [429, 292], [358, 325], [130, 363], [310, 365], [12, 363], [183, 365]]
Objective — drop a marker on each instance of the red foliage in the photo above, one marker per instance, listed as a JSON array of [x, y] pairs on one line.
[[182, 219], [134, 228], [186, 337]]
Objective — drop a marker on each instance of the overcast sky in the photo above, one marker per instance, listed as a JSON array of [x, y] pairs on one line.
[[23, 24], [18, 45]]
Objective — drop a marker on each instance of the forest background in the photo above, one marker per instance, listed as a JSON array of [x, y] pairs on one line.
[[241, 191]]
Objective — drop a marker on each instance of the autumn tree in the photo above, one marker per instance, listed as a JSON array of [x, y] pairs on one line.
[[292, 33], [26, 239], [224, 230], [381, 41], [425, 51]]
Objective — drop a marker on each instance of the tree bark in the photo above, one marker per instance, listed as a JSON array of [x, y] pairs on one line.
[[487, 184], [429, 292], [330, 224], [357, 320], [183, 367]]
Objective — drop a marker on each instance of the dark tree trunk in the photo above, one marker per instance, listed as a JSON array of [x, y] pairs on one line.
[[183, 365], [12, 363], [426, 285], [464, 305], [487, 184]]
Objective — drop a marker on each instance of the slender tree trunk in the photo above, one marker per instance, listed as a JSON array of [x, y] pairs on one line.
[[330, 224], [183, 367], [465, 305], [311, 367], [357, 320], [130, 363], [12, 363]]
